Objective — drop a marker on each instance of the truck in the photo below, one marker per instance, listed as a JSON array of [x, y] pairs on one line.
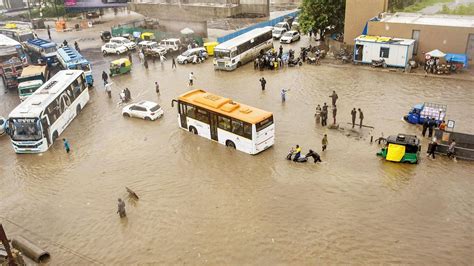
[[420, 112], [31, 79]]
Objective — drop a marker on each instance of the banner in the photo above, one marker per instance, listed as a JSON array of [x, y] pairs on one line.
[[86, 4]]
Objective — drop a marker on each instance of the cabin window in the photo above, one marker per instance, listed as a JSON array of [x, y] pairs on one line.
[[384, 52]]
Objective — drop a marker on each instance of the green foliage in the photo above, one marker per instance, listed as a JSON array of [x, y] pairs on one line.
[[465, 10], [49, 12], [419, 5], [322, 14]]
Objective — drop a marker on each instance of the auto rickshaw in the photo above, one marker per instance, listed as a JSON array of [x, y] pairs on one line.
[[148, 36], [401, 149], [120, 66]]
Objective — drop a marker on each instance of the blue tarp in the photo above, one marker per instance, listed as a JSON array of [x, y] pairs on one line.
[[461, 58]]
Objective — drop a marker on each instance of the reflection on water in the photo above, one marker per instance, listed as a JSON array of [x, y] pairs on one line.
[[200, 202]]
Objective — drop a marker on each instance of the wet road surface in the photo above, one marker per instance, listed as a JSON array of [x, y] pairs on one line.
[[203, 203]]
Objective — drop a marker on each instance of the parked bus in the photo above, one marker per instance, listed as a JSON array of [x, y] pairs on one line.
[[235, 125], [242, 49], [37, 122], [70, 58], [18, 34], [43, 50], [32, 77]]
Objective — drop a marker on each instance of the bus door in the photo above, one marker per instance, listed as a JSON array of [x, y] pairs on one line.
[[182, 111], [213, 126]]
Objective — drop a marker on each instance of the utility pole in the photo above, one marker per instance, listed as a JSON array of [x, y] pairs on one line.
[[29, 9], [4, 239]]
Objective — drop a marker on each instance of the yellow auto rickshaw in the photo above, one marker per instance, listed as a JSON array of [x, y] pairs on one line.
[[120, 66], [148, 36]]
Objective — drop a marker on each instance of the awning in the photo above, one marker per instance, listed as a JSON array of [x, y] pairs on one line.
[[436, 53], [187, 31], [459, 58]]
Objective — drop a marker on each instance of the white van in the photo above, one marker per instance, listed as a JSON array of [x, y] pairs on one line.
[[171, 44]]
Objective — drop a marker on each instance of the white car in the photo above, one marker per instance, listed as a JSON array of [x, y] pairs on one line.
[[124, 41], [113, 48], [290, 36], [3, 125], [278, 33], [188, 56], [171, 44], [145, 110], [151, 48]]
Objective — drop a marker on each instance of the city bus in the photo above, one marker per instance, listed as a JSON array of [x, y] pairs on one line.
[[18, 34], [42, 49], [242, 49], [38, 121], [70, 58], [31, 78], [233, 124]]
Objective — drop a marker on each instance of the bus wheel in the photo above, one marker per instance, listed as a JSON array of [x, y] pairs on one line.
[[193, 130], [230, 143], [55, 135], [78, 109]]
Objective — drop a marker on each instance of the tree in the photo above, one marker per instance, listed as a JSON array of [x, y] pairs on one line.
[[321, 15]]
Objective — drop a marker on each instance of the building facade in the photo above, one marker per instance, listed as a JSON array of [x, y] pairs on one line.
[[358, 12]]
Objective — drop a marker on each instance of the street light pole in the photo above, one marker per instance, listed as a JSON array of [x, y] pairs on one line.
[[29, 9]]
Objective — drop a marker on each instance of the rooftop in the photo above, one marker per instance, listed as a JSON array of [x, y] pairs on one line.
[[423, 19]]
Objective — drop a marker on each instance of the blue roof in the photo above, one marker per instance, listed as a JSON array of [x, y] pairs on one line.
[[70, 55], [41, 43], [461, 58]]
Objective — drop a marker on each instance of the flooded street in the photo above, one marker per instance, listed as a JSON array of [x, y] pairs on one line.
[[201, 202]]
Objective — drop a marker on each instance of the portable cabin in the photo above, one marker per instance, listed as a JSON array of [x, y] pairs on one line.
[[395, 51]]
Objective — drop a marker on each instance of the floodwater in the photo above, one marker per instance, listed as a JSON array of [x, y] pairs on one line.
[[201, 202]]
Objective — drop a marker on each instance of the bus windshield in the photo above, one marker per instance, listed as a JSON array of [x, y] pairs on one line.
[[222, 54], [28, 129], [50, 50]]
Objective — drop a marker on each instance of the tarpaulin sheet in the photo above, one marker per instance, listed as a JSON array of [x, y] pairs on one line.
[[395, 152], [461, 58]]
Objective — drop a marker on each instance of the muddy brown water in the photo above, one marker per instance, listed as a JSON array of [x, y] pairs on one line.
[[203, 203]]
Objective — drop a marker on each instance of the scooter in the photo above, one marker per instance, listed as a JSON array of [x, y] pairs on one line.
[[301, 159], [379, 63]]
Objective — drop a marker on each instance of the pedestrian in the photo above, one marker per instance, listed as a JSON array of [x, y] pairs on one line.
[[361, 117], [130, 57], [173, 63], [76, 46], [65, 43], [426, 123], [334, 97], [157, 87], [283, 95], [162, 59], [49, 33], [315, 156], [280, 54], [317, 114], [353, 115], [334, 113], [121, 208], [263, 82], [432, 148], [310, 34], [324, 115], [442, 126], [141, 56], [67, 147], [145, 63], [451, 148], [108, 89], [191, 79], [105, 77], [324, 142], [431, 125], [128, 95]]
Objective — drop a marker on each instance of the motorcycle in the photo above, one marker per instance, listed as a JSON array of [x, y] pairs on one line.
[[295, 62], [379, 63], [301, 159]]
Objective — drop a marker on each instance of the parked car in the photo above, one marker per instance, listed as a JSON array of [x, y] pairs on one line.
[[282, 25], [145, 110], [188, 56], [290, 36], [171, 45], [278, 33], [124, 41], [3, 125], [113, 48], [151, 48]]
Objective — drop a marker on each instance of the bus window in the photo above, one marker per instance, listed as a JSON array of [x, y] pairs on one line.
[[223, 123], [264, 124], [237, 127], [191, 111], [247, 131], [202, 115]]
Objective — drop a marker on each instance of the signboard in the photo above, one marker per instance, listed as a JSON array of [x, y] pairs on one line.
[[451, 124], [91, 4]]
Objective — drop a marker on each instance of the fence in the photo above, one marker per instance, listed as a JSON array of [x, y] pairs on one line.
[[159, 35], [270, 23]]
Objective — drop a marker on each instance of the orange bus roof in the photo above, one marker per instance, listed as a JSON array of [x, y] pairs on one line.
[[224, 106]]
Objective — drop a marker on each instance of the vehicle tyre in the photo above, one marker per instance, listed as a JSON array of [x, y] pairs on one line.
[[147, 118], [384, 65], [239, 64], [193, 130], [55, 135], [185, 62], [104, 52], [118, 53], [230, 144], [78, 109], [126, 114]]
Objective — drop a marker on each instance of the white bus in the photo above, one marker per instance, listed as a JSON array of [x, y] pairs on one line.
[[242, 49], [38, 121], [235, 125]]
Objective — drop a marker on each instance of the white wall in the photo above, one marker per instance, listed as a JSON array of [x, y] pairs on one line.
[[396, 57]]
